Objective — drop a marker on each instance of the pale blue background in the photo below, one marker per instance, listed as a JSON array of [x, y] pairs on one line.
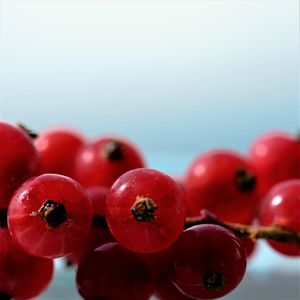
[[176, 77], [179, 76]]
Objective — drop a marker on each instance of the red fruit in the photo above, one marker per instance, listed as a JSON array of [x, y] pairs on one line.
[[50, 216], [111, 272], [21, 276], [207, 217], [97, 195], [145, 210], [58, 148], [166, 290], [164, 287], [207, 262], [180, 181], [281, 207], [224, 183], [104, 160], [99, 233], [249, 245], [18, 160], [276, 157]]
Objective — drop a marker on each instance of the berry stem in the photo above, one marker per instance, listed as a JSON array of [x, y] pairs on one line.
[[274, 233], [144, 209], [53, 213], [113, 151], [32, 134]]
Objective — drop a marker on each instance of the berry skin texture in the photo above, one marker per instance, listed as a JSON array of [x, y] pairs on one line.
[[249, 245], [281, 207], [101, 162], [224, 183], [145, 210], [21, 276], [207, 262], [99, 233], [19, 160], [50, 216], [58, 148], [166, 290], [276, 156], [164, 287], [113, 273]]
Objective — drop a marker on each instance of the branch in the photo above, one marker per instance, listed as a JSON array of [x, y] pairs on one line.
[[274, 233]]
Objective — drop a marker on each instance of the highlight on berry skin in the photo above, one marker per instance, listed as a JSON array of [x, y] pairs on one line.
[[101, 161], [225, 183], [145, 210], [58, 147], [207, 262], [22, 276], [50, 216], [19, 160], [281, 207], [276, 157], [122, 225]]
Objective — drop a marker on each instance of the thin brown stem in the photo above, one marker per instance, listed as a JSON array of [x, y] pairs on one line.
[[274, 233]]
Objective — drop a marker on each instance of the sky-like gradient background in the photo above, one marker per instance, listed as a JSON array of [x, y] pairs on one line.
[[175, 76]]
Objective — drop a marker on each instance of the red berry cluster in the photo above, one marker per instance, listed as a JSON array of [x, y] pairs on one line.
[[96, 204]]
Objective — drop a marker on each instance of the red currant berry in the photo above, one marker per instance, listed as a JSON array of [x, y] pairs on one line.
[[207, 262], [58, 148], [100, 233], [21, 276], [145, 210], [224, 183], [97, 195], [276, 157], [166, 290], [111, 272], [164, 287], [50, 216], [249, 246], [180, 181], [18, 160], [104, 160], [281, 207]]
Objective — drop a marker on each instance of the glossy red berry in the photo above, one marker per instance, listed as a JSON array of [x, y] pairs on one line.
[[276, 157], [58, 148], [164, 288], [111, 272], [224, 183], [18, 160], [281, 207], [21, 276], [99, 233], [145, 210], [50, 216], [104, 160], [207, 262], [249, 246]]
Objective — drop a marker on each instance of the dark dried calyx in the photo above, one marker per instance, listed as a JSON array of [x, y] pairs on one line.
[[144, 209], [32, 134], [245, 180], [113, 150], [53, 213], [214, 281]]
